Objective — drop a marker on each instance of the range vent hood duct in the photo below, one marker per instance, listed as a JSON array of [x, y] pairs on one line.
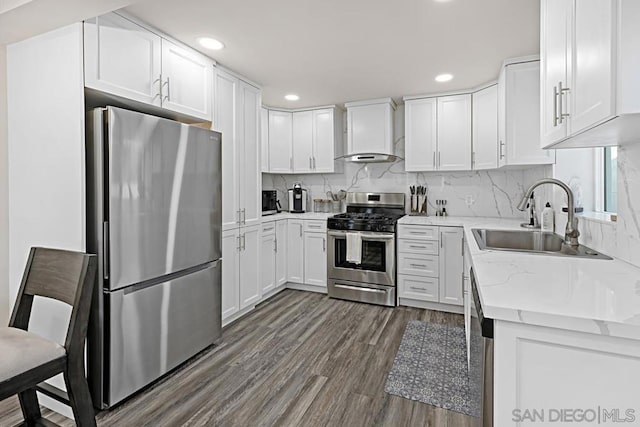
[[370, 158]]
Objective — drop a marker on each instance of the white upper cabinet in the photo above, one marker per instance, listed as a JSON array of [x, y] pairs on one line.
[[225, 122], [438, 133], [370, 126], [187, 77], [519, 117], [420, 134], [454, 132], [250, 176], [122, 58], [302, 141], [128, 60], [327, 139], [264, 138], [589, 77], [484, 128], [280, 142]]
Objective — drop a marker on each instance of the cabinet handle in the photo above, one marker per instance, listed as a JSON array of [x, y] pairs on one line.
[[555, 106], [290, 163], [441, 239], [501, 150], [314, 163], [239, 212], [239, 247], [275, 245], [310, 163], [300, 229], [244, 242], [473, 159], [324, 244], [159, 81], [434, 159], [462, 247], [417, 288], [417, 247], [418, 265], [168, 83], [561, 91], [244, 216]]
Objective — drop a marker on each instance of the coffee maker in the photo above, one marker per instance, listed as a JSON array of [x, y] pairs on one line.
[[297, 199]]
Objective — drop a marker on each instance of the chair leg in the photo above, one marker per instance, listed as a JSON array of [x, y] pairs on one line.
[[80, 398], [30, 406]]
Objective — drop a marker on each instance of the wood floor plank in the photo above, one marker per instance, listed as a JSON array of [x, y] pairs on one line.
[[299, 359]]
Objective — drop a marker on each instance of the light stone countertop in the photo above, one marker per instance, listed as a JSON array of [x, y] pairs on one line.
[[588, 295], [304, 216]]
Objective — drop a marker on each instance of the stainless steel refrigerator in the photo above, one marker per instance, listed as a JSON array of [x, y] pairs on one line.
[[154, 219]]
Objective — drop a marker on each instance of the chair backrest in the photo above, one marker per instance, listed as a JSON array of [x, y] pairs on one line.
[[64, 276]]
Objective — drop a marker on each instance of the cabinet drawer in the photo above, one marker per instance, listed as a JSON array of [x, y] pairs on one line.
[[416, 287], [418, 265], [426, 247], [418, 232], [268, 228], [318, 226]]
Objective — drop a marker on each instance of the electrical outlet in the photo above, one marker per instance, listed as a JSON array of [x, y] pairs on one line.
[[468, 200]]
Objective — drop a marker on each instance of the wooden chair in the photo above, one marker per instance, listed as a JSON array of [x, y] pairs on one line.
[[27, 359]]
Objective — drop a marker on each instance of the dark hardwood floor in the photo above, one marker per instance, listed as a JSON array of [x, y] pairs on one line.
[[300, 359]]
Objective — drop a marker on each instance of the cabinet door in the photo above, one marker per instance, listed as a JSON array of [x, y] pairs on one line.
[[280, 142], [264, 139], [281, 252], [249, 166], [268, 263], [370, 129], [555, 39], [451, 265], [324, 141], [315, 259], [522, 112], [302, 125], [420, 127], [454, 133], [592, 88], [250, 285], [225, 121], [187, 79], [230, 273], [295, 251], [122, 58], [485, 128]]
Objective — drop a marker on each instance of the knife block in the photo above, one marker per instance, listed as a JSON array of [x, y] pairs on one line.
[[418, 205]]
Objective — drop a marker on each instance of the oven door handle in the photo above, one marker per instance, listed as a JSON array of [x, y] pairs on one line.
[[365, 236], [358, 288]]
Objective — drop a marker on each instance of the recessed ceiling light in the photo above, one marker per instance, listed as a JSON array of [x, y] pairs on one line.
[[210, 43], [291, 97], [443, 77]]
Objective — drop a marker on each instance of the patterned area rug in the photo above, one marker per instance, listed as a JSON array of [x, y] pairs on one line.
[[431, 367]]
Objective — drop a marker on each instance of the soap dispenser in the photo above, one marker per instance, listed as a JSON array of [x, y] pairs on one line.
[[548, 218]]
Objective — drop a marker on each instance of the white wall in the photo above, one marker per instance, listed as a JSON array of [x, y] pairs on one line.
[[4, 188]]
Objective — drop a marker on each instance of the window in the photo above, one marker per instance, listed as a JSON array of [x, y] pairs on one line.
[[611, 179]]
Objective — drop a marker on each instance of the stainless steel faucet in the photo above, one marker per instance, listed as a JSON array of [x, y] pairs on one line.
[[571, 232]]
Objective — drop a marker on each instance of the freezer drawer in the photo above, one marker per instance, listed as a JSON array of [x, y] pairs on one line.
[[154, 329]]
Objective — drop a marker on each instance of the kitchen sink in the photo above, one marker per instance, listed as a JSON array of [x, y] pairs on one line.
[[536, 242]]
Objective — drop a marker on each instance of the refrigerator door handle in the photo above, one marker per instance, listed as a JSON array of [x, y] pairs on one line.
[[105, 249]]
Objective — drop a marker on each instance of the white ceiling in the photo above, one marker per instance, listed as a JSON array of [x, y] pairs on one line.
[[335, 51]]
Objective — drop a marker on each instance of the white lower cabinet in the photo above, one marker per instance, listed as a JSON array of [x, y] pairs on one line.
[[230, 273], [281, 252], [249, 260], [268, 258], [295, 251], [430, 264], [241, 284], [315, 259]]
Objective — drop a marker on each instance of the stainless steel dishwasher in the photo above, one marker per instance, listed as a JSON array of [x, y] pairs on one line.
[[481, 358]]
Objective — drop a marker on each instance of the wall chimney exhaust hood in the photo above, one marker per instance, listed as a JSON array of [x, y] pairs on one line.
[[370, 131]]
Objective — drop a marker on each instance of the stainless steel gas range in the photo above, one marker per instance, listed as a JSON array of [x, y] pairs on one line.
[[361, 257]]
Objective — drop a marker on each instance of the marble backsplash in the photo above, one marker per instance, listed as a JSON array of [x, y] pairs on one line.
[[493, 193]]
